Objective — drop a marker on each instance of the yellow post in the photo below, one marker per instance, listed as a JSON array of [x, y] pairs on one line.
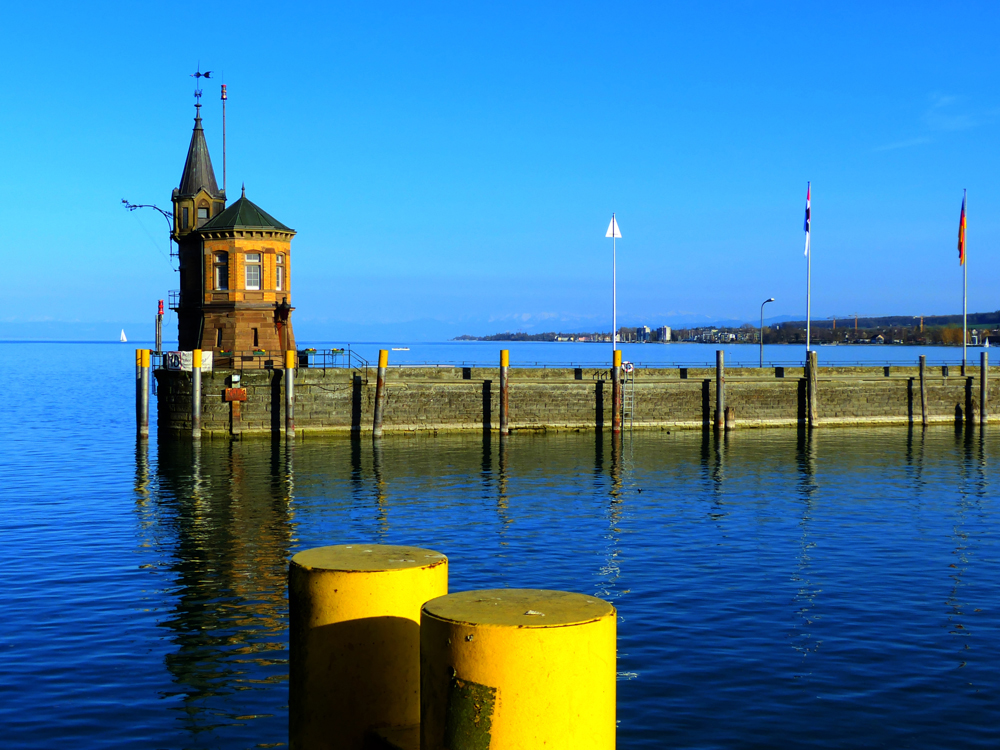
[[504, 392], [289, 393], [510, 669], [142, 392], [196, 394], [354, 640], [383, 362], [616, 392]]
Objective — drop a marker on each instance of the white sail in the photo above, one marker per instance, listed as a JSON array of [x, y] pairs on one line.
[[123, 339]]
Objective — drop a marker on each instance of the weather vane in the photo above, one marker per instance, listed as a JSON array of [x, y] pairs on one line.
[[197, 90]]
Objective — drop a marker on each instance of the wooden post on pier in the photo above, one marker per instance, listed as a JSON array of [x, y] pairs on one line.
[[504, 392], [196, 394], [923, 390], [383, 362], [720, 391], [289, 394], [730, 418], [984, 375], [813, 392], [142, 392], [616, 392]]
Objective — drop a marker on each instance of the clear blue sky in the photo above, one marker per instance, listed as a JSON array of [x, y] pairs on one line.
[[452, 167]]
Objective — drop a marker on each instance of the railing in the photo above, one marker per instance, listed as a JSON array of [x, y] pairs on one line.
[[324, 359], [253, 359]]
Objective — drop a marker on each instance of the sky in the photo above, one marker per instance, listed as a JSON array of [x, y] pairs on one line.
[[451, 168]]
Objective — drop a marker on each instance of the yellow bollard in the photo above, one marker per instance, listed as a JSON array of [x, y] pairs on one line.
[[354, 640], [510, 669]]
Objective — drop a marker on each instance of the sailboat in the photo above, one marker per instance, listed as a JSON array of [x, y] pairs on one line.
[[986, 344], [122, 337]]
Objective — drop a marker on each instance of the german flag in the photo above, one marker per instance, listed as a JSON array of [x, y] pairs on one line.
[[961, 234]]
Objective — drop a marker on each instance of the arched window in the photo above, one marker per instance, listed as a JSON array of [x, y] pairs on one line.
[[222, 270]]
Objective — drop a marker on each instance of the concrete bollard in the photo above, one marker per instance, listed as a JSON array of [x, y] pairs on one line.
[[720, 390], [504, 392], [142, 392], [354, 640], [383, 362], [923, 390], [510, 669], [813, 392], [196, 394], [289, 393], [984, 377], [616, 392]]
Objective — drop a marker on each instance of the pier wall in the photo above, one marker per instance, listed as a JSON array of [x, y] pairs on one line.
[[457, 398]]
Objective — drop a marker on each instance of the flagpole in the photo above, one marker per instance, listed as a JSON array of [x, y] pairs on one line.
[[809, 260], [614, 284], [965, 279], [809, 263]]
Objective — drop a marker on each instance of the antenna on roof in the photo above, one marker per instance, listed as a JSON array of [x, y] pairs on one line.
[[225, 96]]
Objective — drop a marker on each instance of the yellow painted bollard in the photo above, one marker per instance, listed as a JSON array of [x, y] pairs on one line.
[[616, 391], [354, 640], [511, 669], [383, 362], [504, 392], [196, 394], [142, 392], [289, 393]]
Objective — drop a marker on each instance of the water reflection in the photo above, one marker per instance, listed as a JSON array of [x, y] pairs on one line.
[[227, 506], [804, 600], [751, 526]]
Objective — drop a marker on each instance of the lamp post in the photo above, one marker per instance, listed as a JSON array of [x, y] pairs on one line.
[[762, 330]]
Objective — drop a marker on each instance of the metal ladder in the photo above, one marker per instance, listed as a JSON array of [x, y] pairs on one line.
[[628, 398]]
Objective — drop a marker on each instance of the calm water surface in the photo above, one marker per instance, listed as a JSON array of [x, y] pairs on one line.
[[774, 589]]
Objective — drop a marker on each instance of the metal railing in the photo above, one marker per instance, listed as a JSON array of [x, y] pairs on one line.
[[324, 359]]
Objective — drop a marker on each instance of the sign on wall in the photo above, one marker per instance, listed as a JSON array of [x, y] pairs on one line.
[[183, 361]]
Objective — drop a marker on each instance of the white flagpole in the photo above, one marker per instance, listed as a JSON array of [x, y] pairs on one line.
[[965, 278], [614, 287], [809, 260]]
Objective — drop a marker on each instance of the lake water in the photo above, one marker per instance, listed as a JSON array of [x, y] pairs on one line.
[[775, 589]]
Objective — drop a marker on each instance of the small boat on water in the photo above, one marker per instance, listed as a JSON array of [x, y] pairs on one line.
[[401, 348], [122, 337]]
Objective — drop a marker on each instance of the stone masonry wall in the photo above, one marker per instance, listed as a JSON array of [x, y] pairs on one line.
[[456, 398]]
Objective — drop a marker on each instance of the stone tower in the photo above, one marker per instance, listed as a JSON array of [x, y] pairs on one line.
[[196, 201], [247, 275], [235, 266]]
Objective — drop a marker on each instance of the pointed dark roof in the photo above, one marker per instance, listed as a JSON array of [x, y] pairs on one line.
[[242, 214], [198, 172]]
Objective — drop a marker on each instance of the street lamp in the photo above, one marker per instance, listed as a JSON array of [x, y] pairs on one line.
[[762, 329]]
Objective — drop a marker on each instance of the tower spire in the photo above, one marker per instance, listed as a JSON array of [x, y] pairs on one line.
[[198, 173]]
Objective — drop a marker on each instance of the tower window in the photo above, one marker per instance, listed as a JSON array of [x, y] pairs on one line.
[[256, 339], [186, 217], [222, 270], [202, 215], [253, 270], [279, 278], [218, 338]]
